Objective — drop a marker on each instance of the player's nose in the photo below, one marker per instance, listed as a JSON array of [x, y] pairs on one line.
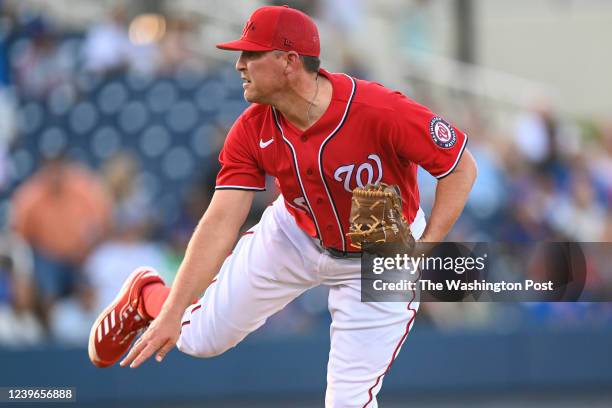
[[240, 64]]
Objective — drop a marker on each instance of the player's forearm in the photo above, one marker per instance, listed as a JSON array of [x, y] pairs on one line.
[[451, 195]]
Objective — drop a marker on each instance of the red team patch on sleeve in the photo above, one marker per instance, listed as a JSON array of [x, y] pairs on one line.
[[442, 133]]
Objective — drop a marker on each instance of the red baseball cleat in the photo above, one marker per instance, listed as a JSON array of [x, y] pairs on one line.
[[122, 321]]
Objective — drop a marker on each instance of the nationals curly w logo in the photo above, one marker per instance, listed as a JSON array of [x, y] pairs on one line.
[[366, 173]]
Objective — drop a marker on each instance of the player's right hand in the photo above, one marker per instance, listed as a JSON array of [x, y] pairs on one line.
[[159, 338]]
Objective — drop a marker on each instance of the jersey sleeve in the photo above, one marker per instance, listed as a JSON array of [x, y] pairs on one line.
[[424, 138], [240, 168]]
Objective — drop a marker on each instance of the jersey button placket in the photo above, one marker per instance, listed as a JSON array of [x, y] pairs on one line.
[[303, 138], [309, 171], [319, 201]]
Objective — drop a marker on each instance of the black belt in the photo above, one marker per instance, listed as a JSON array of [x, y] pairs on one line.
[[336, 253]]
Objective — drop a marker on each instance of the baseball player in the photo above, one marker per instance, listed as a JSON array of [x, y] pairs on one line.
[[321, 135]]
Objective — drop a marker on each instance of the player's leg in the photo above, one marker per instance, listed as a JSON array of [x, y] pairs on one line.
[[365, 340], [365, 337], [265, 272]]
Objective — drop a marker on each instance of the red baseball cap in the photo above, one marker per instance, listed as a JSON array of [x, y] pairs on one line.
[[277, 28]]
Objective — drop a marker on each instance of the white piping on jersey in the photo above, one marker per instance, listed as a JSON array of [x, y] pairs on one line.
[[240, 188], [297, 171], [293, 206], [449, 171], [320, 161]]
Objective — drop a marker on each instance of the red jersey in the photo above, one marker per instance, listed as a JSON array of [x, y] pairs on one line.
[[368, 134]]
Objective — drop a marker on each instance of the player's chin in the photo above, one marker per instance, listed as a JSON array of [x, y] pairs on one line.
[[250, 96]]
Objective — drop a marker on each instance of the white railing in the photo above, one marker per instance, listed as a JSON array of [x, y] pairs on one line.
[[478, 81]]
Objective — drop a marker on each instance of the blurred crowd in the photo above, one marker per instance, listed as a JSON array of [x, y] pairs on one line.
[[108, 147]]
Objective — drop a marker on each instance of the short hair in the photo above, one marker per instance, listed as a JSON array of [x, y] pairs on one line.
[[311, 64]]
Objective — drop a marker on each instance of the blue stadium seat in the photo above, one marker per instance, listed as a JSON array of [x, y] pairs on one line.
[[170, 123]]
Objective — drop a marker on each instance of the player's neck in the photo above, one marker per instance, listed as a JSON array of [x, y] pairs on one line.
[[305, 101]]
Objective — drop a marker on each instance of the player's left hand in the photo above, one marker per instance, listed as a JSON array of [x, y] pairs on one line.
[[377, 224], [159, 338]]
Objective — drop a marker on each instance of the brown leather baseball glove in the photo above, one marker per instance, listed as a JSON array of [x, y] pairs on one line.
[[377, 222]]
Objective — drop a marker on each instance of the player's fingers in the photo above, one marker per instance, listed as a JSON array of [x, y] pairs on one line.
[[165, 349], [147, 352], [134, 351]]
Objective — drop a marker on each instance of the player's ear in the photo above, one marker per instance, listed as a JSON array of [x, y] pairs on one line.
[[293, 62]]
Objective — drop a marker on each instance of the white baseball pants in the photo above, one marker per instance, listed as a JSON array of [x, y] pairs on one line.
[[273, 264]]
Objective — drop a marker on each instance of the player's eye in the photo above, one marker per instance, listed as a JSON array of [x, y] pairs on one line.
[[252, 55]]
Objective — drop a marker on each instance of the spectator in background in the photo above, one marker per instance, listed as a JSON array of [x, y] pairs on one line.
[[489, 193], [175, 48], [19, 325], [351, 64], [600, 163], [129, 245], [5, 28], [128, 248], [62, 211], [7, 103], [109, 263], [106, 47], [600, 167], [530, 201], [544, 141], [578, 216], [39, 68], [8, 124], [193, 206], [70, 318], [345, 16], [119, 174]]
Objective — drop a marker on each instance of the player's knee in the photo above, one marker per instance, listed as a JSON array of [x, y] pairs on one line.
[[198, 351], [203, 349], [213, 351]]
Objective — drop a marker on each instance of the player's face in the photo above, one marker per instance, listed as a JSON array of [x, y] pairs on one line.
[[262, 74]]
